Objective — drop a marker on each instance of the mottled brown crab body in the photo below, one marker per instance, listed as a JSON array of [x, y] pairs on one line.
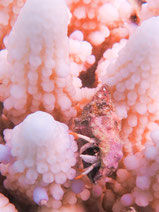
[[99, 121]]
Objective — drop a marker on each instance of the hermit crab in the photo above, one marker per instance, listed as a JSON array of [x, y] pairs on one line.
[[97, 131]]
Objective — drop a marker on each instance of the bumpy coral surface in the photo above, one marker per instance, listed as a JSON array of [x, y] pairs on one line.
[[95, 19], [70, 208], [9, 10], [39, 58], [149, 10], [55, 60], [5, 206], [43, 78], [36, 161], [133, 81]]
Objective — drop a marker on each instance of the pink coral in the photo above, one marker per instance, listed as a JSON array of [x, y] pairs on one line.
[[40, 63], [150, 9], [95, 19], [132, 80], [5, 205], [133, 83], [38, 166], [9, 10], [71, 208], [43, 69]]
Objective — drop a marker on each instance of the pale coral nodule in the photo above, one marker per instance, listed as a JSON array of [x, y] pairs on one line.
[[39, 165], [39, 59], [133, 83], [133, 80], [5, 205], [48, 56]]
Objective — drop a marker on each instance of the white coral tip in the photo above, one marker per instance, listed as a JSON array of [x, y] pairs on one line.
[[5, 155], [40, 196]]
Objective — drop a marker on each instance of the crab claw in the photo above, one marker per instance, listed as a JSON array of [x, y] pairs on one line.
[[89, 158]]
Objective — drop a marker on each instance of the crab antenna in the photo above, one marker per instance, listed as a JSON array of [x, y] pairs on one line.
[[87, 170]]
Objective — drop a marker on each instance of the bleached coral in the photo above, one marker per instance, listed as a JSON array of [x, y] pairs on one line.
[[5, 205], [137, 181], [9, 10], [35, 70], [109, 56], [133, 80], [42, 154], [69, 208], [149, 9], [39, 76], [40, 69], [81, 57], [95, 19]]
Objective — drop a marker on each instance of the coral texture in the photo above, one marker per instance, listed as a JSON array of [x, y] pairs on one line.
[[133, 84], [71, 208], [9, 10], [79, 110], [5, 205], [95, 19], [39, 58], [36, 163]]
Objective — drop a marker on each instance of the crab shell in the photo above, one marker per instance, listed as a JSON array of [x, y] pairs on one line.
[[98, 120], [105, 130]]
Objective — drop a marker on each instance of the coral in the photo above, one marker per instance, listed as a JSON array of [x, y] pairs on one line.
[[133, 81], [43, 78], [150, 9], [5, 205], [40, 62], [54, 69], [133, 84], [36, 163], [109, 56], [9, 10], [70, 208], [137, 181], [102, 23], [95, 19]]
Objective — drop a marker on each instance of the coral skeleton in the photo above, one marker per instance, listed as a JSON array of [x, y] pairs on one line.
[[40, 61], [133, 84], [5, 205], [34, 160], [79, 105], [9, 10]]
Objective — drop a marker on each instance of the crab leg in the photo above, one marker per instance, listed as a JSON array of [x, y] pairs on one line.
[[85, 147], [86, 138], [87, 170], [89, 158]]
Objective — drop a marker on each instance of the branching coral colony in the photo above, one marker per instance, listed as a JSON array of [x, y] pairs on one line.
[[79, 111]]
